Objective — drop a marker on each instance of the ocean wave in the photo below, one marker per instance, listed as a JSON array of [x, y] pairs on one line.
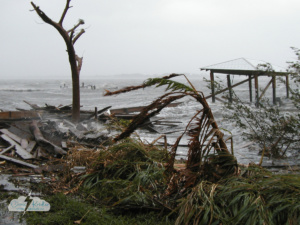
[[22, 90]]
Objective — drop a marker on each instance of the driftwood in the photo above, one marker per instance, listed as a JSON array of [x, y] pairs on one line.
[[50, 147]]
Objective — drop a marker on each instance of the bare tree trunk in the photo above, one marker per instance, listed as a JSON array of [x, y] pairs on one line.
[[75, 62]]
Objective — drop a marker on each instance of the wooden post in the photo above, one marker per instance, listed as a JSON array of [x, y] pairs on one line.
[[256, 90], [225, 89], [229, 87], [212, 83], [266, 88], [287, 83], [96, 113], [250, 88], [274, 89]]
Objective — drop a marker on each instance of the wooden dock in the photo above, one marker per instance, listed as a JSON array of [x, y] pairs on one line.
[[19, 115]]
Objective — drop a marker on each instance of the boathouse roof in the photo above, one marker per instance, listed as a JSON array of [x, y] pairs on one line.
[[242, 66]]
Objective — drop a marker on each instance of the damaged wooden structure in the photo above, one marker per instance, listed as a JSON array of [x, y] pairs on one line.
[[252, 69], [28, 137]]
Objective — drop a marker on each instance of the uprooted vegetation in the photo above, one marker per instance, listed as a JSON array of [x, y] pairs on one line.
[[208, 189], [129, 176]]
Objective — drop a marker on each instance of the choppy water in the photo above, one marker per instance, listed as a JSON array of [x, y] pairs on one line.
[[56, 92]]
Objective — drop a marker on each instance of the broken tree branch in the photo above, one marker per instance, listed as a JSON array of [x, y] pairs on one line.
[[78, 36], [42, 15], [79, 62], [80, 22], [64, 12]]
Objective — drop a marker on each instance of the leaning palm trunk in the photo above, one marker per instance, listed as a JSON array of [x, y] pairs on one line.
[[208, 155]]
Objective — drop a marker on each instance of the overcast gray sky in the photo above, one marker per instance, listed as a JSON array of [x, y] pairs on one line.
[[150, 37]]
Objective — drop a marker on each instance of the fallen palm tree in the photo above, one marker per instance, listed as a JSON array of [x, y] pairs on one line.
[[209, 190], [208, 153], [208, 156]]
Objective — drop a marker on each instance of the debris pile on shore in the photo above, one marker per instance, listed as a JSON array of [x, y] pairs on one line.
[[121, 173]]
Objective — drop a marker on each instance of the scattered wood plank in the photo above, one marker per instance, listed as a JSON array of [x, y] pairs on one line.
[[65, 107], [18, 161], [11, 135], [99, 112], [31, 146], [19, 150], [40, 153], [50, 147], [24, 143], [34, 106], [20, 129], [7, 149], [18, 115], [64, 145], [50, 168]]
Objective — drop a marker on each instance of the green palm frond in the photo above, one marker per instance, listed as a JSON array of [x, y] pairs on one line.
[[171, 84], [262, 198]]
